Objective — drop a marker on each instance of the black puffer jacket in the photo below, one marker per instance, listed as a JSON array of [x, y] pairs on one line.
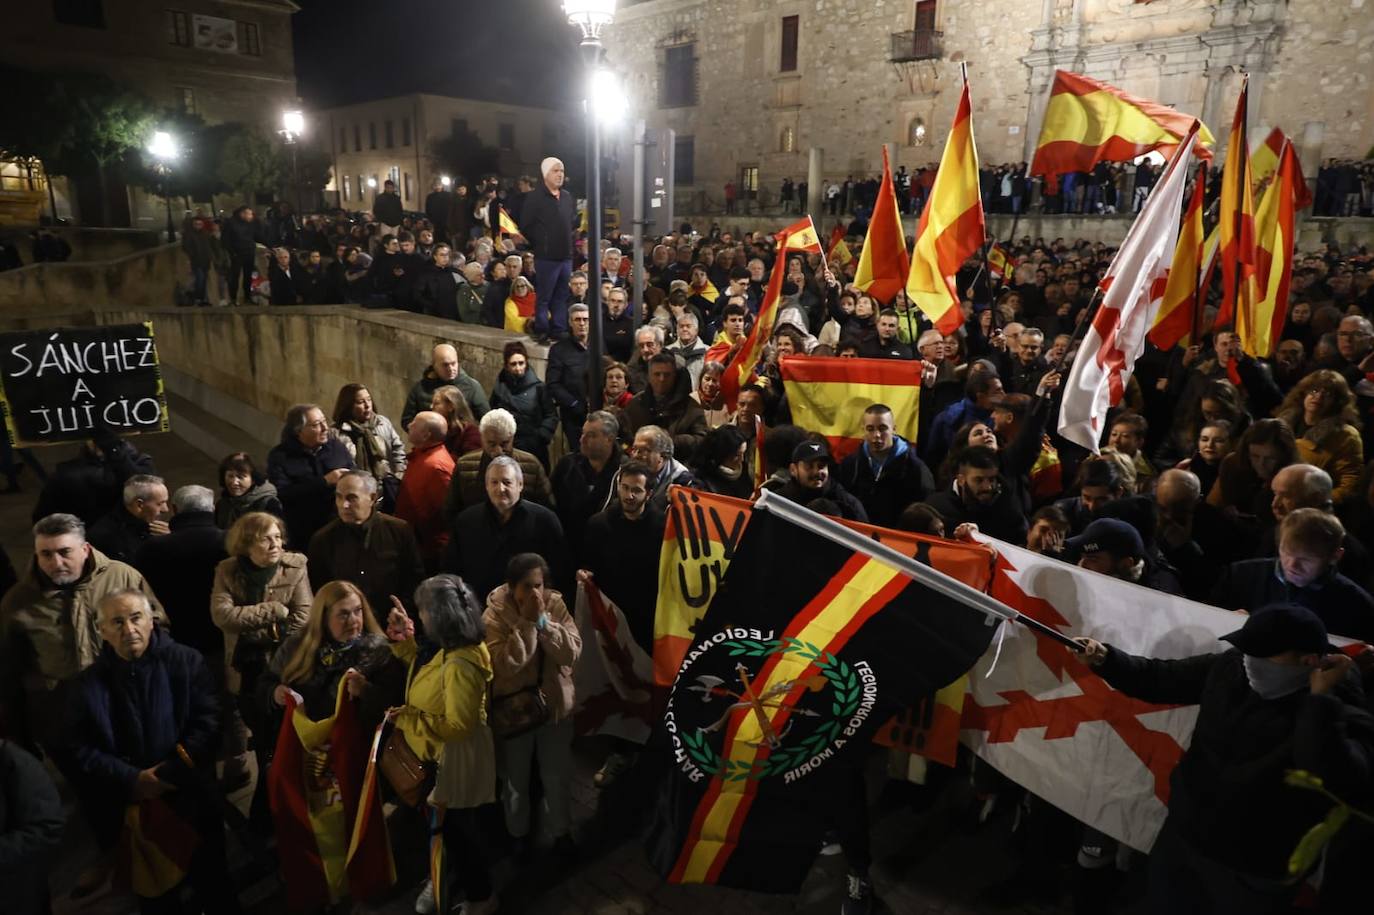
[[31, 824], [1227, 795], [528, 400], [307, 500]]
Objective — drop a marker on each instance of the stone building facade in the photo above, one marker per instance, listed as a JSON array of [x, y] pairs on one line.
[[226, 60], [751, 89], [392, 138]]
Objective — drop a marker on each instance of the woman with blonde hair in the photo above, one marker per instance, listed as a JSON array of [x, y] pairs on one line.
[[260, 596], [464, 434], [340, 643], [1321, 412], [519, 305]]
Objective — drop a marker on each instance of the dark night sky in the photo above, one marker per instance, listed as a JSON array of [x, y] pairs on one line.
[[514, 51]]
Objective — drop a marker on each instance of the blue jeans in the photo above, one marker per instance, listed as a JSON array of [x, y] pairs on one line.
[[551, 296], [200, 277]]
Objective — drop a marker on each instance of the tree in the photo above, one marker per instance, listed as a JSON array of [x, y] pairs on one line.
[[250, 164], [464, 156], [104, 122]]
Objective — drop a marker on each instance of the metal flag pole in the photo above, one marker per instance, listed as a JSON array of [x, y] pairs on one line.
[[921, 573]]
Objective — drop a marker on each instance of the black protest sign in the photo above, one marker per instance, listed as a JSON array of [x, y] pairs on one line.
[[61, 384]]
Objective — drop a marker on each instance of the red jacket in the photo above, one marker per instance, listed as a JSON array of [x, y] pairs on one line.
[[421, 498]]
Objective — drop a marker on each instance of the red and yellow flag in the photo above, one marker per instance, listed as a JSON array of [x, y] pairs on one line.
[[739, 370], [707, 291], [1087, 122], [951, 226], [507, 224], [883, 263], [1180, 311], [800, 236], [828, 394], [1264, 161], [1260, 328], [1237, 220], [999, 262], [331, 836]]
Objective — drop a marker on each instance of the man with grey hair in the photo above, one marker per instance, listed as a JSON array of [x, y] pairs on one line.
[[648, 344], [121, 532], [1308, 486], [611, 259], [485, 536], [305, 467], [654, 447], [48, 623], [498, 438], [582, 480], [180, 567], [689, 348], [547, 219], [566, 375]]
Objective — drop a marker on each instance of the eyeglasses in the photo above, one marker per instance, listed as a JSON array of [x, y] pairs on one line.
[[1351, 334]]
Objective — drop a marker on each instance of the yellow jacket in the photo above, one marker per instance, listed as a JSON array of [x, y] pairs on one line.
[[446, 698]]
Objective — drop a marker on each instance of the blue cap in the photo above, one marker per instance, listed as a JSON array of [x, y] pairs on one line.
[[1108, 535]]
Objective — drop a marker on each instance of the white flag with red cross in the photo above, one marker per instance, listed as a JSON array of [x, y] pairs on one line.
[[1049, 723]]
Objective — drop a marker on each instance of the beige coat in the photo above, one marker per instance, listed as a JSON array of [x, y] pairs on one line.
[[515, 643], [286, 601], [56, 627]]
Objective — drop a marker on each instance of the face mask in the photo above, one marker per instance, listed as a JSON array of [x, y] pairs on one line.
[[1271, 680]]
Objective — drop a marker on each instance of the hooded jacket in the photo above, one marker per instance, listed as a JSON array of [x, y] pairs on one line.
[[528, 400], [903, 478]]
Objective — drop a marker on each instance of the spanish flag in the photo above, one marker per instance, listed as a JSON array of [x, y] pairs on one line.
[[507, 225], [951, 226], [707, 291], [1087, 122], [883, 262], [800, 236], [332, 841], [1237, 220], [1264, 161], [1180, 312], [155, 849], [786, 682], [739, 370], [828, 394], [999, 262], [701, 536], [1259, 329]]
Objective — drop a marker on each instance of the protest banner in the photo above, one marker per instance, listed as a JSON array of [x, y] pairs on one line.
[[60, 384]]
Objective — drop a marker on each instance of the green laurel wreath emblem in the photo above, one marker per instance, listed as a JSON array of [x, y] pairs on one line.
[[844, 684]]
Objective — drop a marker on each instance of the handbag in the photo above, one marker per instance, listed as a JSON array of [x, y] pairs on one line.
[[409, 777], [521, 711]]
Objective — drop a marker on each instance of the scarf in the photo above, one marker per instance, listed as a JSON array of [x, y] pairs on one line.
[[255, 579], [524, 304]]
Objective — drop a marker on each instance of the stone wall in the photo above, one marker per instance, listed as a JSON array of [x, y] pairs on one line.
[[40, 291], [1310, 66], [88, 243]]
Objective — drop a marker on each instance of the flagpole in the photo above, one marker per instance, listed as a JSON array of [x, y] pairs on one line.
[[919, 572], [1201, 266]]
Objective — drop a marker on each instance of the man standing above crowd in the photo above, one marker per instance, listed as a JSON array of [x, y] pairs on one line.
[[547, 221], [387, 210]]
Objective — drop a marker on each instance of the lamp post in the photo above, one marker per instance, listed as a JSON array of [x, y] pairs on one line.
[[292, 127], [163, 149], [591, 16]]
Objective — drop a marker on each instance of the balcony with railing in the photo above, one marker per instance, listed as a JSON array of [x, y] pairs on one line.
[[918, 44]]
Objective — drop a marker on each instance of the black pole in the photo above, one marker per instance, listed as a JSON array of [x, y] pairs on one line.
[[591, 49], [171, 229], [295, 180]]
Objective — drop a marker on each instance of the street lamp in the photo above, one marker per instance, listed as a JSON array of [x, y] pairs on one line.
[[292, 127], [446, 181], [591, 16], [164, 149]]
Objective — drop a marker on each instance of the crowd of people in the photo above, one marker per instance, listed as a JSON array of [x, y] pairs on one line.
[[424, 566]]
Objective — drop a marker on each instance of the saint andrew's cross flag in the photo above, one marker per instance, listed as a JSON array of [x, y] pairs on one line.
[[776, 701], [613, 678], [828, 395], [331, 837]]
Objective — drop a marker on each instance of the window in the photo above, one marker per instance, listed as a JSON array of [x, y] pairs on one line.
[[88, 14], [678, 87], [405, 131], [409, 190], [187, 99], [684, 164], [346, 194], [178, 28], [787, 141], [749, 182], [925, 15], [390, 135], [505, 136], [916, 133], [395, 175], [459, 125], [357, 138], [248, 39], [788, 61], [371, 134]]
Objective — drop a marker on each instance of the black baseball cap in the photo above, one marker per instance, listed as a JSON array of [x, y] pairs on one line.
[[810, 451], [1108, 535], [1276, 628]]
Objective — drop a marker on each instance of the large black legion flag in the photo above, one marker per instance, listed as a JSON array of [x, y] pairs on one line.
[[816, 637], [61, 384]]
